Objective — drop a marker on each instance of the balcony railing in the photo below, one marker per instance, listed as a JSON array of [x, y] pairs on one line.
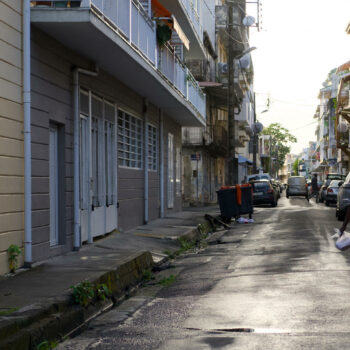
[[131, 21], [196, 137], [194, 16]]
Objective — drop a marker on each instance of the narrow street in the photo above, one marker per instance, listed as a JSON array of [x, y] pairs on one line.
[[276, 284]]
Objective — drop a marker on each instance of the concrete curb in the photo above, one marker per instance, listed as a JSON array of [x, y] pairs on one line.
[[55, 318], [215, 237]]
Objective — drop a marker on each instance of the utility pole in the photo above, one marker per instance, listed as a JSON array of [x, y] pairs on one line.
[[255, 136], [270, 165], [232, 163]]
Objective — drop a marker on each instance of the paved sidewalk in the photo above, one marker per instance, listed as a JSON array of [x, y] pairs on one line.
[[39, 302]]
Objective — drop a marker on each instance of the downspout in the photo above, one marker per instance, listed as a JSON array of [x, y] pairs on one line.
[[27, 137], [76, 71], [145, 115], [161, 162]]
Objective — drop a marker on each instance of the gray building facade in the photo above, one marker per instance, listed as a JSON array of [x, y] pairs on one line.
[[129, 135]]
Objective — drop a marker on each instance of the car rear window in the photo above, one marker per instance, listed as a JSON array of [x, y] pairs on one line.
[[258, 186], [296, 181], [335, 177], [334, 183]]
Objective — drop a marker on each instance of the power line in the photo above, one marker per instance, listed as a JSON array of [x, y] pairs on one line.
[[303, 126], [211, 12]]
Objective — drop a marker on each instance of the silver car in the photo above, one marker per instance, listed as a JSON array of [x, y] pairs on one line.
[[343, 200], [297, 187], [332, 192]]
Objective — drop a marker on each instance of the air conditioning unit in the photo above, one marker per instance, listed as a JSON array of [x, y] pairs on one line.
[[223, 68]]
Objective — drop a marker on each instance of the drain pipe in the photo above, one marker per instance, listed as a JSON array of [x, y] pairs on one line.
[[27, 137], [161, 162], [145, 116], [76, 72]]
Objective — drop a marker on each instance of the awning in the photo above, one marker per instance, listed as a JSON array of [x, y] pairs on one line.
[[209, 84], [243, 160], [180, 33], [159, 11]]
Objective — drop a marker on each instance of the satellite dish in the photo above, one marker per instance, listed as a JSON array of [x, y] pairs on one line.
[[258, 127], [248, 21], [342, 127], [245, 61]]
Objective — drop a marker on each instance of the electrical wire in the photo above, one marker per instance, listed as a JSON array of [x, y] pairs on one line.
[[207, 6], [237, 41], [292, 103], [303, 126]]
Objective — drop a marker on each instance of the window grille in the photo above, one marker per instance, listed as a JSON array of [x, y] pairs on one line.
[[130, 139], [152, 148]]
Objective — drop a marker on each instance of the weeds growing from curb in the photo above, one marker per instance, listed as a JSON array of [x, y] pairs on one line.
[[147, 275], [83, 293], [167, 281], [46, 345], [185, 245], [169, 254], [9, 311], [103, 292], [13, 252]]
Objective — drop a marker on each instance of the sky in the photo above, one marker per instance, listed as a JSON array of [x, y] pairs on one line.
[[300, 42]]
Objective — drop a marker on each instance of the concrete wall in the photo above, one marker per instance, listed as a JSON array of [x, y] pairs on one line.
[[11, 129], [207, 186], [52, 65]]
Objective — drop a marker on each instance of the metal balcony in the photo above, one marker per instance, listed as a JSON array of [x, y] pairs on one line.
[[189, 19], [121, 38]]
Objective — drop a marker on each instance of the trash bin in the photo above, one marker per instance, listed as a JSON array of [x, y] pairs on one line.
[[245, 199], [227, 198]]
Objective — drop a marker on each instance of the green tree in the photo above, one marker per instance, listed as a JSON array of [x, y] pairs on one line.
[[296, 167], [281, 138]]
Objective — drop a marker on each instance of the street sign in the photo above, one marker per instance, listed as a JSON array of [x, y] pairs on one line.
[[196, 156]]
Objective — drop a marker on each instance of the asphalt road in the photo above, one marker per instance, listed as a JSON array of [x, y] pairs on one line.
[[279, 283]]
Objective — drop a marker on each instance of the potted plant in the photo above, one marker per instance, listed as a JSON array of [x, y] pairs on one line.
[[43, 3], [163, 33], [61, 3], [75, 3]]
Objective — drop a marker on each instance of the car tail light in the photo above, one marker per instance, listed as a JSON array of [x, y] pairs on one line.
[[269, 191], [329, 190]]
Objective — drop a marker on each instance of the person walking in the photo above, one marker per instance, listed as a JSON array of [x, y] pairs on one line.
[[314, 188]]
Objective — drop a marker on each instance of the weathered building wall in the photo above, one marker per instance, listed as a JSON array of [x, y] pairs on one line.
[[198, 190], [52, 65], [11, 129]]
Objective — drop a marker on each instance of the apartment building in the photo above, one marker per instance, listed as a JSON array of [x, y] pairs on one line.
[[110, 92], [205, 150], [332, 132], [343, 118], [11, 130]]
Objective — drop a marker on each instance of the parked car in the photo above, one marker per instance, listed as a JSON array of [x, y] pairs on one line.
[[325, 184], [276, 187], [343, 199], [264, 193], [332, 192], [323, 190], [280, 185], [297, 187]]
